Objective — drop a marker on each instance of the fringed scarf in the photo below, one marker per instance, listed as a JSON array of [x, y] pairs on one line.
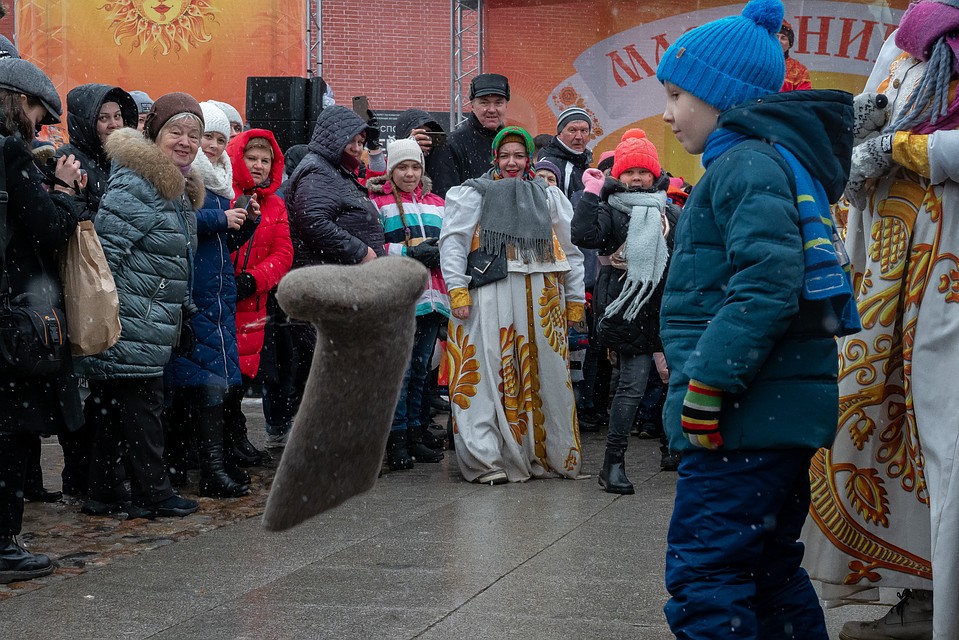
[[646, 250], [514, 217]]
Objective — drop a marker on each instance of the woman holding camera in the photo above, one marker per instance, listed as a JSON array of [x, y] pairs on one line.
[[37, 224], [197, 382]]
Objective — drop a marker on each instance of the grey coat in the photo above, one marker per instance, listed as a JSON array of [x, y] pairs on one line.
[[147, 226]]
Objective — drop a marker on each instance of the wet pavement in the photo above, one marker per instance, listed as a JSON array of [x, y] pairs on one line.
[[422, 555]]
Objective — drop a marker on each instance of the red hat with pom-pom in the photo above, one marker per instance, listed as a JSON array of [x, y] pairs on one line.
[[636, 151]]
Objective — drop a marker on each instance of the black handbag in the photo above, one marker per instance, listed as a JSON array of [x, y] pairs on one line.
[[485, 268], [32, 332]]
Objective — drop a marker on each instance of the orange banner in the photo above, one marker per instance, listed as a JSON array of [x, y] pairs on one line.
[[605, 59], [206, 48]]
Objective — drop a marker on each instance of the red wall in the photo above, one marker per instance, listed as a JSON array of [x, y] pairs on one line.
[[394, 51]]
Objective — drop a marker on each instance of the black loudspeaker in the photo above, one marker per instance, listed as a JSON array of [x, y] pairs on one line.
[[276, 98], [286, 132], [315, 88]]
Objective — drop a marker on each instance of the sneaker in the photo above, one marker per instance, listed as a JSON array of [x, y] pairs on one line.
[[279, 440], [496, 476], [100, 508], [648, 431], [174, 506], [910, 619]]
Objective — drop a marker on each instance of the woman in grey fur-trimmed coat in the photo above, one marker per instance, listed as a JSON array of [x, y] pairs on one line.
[[147, 226]]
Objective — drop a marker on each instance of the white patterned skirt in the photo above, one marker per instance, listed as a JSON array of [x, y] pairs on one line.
[[510, 390]]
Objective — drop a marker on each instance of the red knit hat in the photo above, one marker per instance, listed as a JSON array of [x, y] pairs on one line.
[[635, 150]]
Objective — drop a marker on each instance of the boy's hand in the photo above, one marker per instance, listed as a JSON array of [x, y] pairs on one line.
[[700, 417], [870, 160], [593, 180], [871, 115]]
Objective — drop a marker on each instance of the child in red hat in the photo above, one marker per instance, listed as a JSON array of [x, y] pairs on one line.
[[627, 218]]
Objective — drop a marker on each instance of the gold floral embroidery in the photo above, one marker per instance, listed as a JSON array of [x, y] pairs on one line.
[[552, 318], [464, 368], [516, 381]]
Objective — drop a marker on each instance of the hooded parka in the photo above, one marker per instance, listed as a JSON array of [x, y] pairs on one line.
[[332, 219]]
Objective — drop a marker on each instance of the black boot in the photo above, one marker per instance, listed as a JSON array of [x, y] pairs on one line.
[[236, 473], [16, 563], [613, 476], [396, 454], [214, 481], [430, 439], [239, 450], [418, 449]]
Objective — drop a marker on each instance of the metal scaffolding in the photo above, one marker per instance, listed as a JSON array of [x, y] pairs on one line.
[[466, 53], [314, 48]]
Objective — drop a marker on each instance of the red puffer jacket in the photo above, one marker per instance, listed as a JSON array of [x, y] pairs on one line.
[[268, 255]]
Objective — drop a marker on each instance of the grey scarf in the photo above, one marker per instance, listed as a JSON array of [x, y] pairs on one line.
[[646, 251], [515, 215]]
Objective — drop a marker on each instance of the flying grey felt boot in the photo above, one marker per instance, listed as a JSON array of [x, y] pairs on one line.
[[365, 319]]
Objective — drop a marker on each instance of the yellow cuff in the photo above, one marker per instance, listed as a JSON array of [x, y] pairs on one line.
[[911, 150], [460, 297], [575, 311]]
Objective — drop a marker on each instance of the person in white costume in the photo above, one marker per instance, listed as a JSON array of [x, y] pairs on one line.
[[885, 498], [514, 415]]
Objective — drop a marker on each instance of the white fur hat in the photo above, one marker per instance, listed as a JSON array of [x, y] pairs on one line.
[[401, 150], [216, 121]]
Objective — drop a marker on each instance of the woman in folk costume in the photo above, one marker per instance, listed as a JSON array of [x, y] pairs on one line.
[[885, 498], [514, 412]]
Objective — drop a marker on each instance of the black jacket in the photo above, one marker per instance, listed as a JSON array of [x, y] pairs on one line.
[[468, 153], [332, 219], [571, 165], [597, 225], [39, 224], [83, 108]]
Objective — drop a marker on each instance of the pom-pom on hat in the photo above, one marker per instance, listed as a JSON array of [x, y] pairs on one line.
[[402, 150], [636, 151], [731, 60], [214, 120]]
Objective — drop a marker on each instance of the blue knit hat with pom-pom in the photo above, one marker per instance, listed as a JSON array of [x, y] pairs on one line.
[[729, 61]]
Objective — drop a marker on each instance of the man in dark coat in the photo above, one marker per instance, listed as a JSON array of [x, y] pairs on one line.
[[469, 147], [568, 149], [94, 111]]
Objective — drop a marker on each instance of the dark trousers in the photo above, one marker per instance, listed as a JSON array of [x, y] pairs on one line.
[[131, 410], [15, 452], [304, 343], [733, 556], [409, 409], [597, 371], [633, 372]]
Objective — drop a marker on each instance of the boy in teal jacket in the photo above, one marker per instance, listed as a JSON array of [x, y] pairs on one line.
[[755, 294]]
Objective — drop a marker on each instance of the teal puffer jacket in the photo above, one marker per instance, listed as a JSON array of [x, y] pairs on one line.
[[732, 316], [147, 226]]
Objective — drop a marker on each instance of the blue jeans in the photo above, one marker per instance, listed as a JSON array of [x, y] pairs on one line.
[[633, 372], [409, 406], [733, 557]]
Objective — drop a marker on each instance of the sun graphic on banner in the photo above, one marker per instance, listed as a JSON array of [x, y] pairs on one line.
[[166, 25]]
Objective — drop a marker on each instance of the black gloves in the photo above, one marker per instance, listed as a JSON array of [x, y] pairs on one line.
[[245, 285], [372, 131], [426, 252]]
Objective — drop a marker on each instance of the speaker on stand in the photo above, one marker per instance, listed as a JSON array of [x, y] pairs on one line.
[[279, 104]]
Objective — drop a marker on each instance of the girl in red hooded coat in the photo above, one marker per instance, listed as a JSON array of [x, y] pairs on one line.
[[259, 266]]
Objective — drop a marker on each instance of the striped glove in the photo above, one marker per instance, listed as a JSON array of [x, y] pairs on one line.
[[700, 415]]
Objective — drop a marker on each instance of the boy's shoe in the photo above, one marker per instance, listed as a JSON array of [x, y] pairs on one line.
[[911, 619], [16, 563], [669, 461], [173, 507]]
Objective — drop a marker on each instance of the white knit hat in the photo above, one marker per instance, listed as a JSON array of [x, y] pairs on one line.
[[401, 150], [231, 113], [215, 119]]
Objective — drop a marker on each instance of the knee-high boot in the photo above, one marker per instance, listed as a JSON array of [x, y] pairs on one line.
[[214, 480]]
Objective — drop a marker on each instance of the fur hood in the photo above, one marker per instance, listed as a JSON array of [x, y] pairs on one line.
[[129, 148], [381, 184]]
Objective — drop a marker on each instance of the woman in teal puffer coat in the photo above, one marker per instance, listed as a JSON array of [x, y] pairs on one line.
[[147, 226]]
